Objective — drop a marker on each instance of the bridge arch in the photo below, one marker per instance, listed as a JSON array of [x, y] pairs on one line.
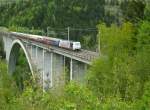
[[14, 53]]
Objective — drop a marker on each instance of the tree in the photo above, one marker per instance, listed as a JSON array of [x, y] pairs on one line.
[[147, 12], [133, 10]]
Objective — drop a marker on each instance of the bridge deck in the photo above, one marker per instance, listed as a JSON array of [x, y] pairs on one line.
[[82, 55]]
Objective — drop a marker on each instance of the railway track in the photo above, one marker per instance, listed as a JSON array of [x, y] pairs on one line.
[[82, 54]]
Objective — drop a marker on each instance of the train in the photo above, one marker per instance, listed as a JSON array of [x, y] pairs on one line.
[[66, 44]]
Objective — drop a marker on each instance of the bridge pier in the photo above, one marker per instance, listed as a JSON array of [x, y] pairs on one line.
[[33, 53], [7, 46], [71, 69], [78, 71], [47, 67], [39, 64], [58, 78], [54, 70]]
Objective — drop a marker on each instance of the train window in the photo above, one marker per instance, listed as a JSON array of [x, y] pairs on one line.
[[77, 43]]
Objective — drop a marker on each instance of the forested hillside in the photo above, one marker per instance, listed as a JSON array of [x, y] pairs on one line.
[[82, 17], [64, 13], [118, 80]]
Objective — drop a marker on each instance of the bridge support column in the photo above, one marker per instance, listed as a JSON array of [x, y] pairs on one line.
[[64, 64], [33, 55], [36, 56], [7, 46], [31, 51], [71, 68], [39, 64], [29, 48], [47, 70], [51, 69], [78, 71], [58, 70]]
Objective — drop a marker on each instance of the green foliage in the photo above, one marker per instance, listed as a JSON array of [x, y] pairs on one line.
[[22, 72], [147, 12], [1, 46], [116, 40], [7, 87], [2, 53], [27, 30], [73, 97], [118, 80], [123, 69], [60, 14], [54, 13], [133, 10], [81, 97]]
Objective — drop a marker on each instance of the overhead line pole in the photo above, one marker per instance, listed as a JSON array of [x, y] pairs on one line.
[[68, 33]]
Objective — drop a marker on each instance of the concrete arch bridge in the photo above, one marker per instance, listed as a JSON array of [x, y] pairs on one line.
[[49, 61]]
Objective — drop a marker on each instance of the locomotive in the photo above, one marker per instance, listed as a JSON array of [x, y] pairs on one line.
[[72, 45]]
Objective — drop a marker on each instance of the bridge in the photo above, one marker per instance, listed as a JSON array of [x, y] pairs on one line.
[[45, 61]]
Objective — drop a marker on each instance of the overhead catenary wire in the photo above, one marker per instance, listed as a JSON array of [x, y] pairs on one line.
[[79, 29], [74, 29], [65, 31]]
